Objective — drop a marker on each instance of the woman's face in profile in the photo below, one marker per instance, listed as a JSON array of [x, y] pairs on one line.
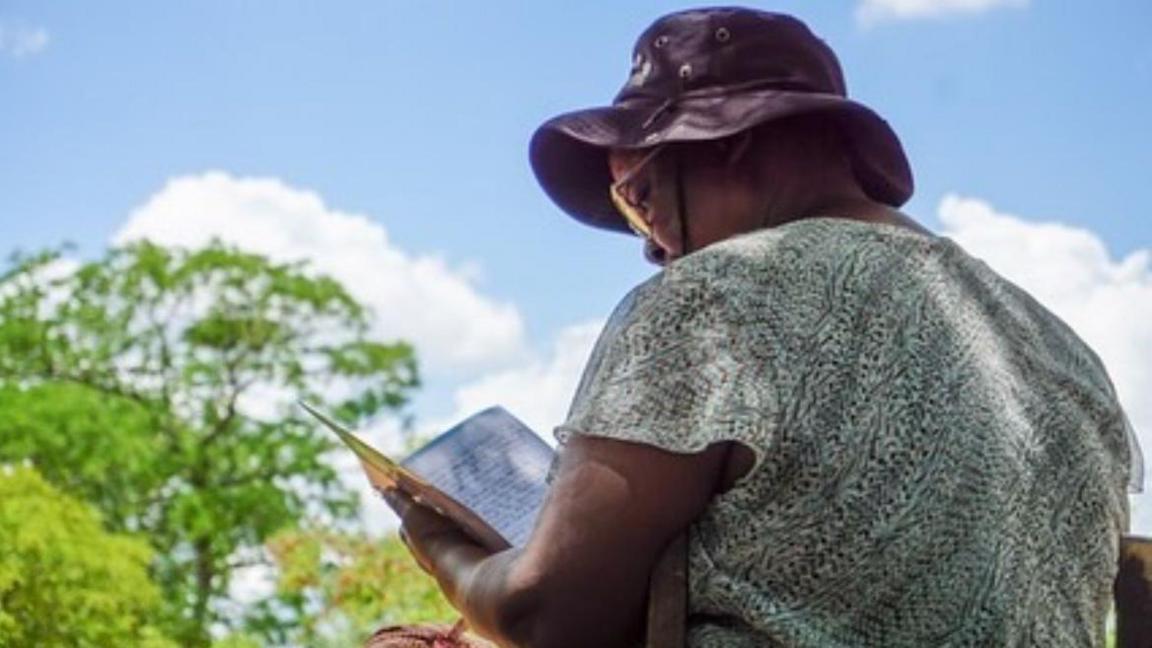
[[648, 190], [717, 201]]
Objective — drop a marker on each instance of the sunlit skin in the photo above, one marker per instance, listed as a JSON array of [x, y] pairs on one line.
[[583, 576]]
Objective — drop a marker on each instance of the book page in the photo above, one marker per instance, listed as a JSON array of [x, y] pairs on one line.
[[493, 464], [488, 474], [385, 474]]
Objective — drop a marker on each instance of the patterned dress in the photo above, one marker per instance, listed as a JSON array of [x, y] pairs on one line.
[[939, 461]]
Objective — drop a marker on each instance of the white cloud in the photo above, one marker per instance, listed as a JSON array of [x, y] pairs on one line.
[[420, 298], [539, 391], [870, 12], [1107, 301], [19, 40]]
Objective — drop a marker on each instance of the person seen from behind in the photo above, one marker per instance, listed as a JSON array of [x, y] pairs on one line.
[[870, 437]]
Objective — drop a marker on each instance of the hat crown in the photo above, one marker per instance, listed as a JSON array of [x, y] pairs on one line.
[[703, 75], [711, 50]]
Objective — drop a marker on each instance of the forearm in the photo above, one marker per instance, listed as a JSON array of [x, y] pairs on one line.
[[479, 582], [582, 579], [506, 602], [481, 585]]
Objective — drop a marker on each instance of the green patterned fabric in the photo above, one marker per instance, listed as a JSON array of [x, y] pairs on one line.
[[939, 460]]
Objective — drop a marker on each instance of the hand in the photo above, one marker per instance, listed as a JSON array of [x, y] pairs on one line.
[[440, 546], [428, 535]]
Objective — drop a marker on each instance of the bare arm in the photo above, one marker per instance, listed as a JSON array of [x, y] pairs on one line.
[[582, 579]]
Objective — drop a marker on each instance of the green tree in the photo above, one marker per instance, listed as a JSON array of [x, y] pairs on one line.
[[161, 384], [64, 580]]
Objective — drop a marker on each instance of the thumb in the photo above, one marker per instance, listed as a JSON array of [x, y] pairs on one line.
[[399, 501]]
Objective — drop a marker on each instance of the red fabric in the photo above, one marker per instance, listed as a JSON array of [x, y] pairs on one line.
[[421, 636]]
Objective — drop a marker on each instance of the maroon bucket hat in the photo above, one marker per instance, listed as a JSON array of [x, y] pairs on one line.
[[706, 74]]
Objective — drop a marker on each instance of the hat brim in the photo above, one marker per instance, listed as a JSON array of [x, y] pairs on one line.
[[569, 153]]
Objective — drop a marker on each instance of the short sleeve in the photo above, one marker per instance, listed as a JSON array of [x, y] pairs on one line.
[[1135, 458], [673, 368]]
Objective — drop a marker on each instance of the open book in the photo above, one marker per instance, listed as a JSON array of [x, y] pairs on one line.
[[487, 474]]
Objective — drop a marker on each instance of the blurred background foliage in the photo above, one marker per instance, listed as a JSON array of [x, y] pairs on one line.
[[150, 447]]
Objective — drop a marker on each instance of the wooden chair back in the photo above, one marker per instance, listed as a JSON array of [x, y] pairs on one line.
[[667, 625], [1133, 593]]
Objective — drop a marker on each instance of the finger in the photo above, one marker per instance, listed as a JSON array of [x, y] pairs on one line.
[[392, 495], [398, 501], [417, 555]]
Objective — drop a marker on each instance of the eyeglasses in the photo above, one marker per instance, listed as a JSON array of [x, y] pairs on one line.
[[633, 210]]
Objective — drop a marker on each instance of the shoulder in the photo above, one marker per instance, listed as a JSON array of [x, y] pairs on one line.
[[828, 255], [798, 245], [802, 267]]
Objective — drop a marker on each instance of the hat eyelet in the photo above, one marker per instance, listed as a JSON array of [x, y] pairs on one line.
[[660, 41], [723, 35], [686, 71]]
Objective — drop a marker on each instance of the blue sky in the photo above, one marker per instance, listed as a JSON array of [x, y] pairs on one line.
[[416, 117], [419, 114]]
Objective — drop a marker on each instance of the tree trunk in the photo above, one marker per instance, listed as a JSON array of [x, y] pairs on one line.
[[204, 574]]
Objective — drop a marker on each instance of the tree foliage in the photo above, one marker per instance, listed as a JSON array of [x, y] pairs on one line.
[[343, 586], [64, 580], [160, 384]]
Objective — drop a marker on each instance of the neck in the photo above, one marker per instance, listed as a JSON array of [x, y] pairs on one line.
[[809, 199], [805, 178], [865, 209]]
